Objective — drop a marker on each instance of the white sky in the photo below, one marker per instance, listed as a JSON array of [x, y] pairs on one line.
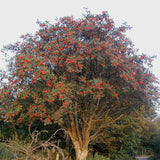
[[18, 17]]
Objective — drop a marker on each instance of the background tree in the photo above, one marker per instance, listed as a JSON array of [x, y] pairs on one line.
[[82, 74], [150, 139], [123, 138]]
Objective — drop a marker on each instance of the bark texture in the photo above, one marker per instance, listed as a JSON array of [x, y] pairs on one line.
[[80, 138]]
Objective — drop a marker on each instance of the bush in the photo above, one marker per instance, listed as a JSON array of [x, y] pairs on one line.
[[5, 153], [121, 155], [152, 158], [98, 157], [30, 148]]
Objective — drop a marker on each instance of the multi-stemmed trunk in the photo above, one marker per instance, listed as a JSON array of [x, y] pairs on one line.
[[80, 138], [81, 151]]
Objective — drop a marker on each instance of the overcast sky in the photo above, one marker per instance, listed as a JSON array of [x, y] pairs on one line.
[[18, 17]]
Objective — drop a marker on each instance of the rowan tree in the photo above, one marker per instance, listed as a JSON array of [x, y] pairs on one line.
[[83, 74]]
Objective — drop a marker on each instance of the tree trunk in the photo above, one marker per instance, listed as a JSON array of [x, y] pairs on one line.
[[81, 154], [81, 151], [80, 143], [80, 138]]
